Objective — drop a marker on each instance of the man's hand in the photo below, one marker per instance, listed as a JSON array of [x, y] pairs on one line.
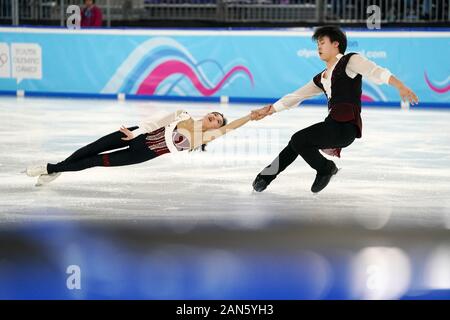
[[405, 93], [408, 95], [129, 135], [261, 113]]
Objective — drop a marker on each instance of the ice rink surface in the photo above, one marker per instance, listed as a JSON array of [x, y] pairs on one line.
[[189, 226], [397, 175]]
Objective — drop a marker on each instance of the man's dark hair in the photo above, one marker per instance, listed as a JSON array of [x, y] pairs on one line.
[[334, 33]]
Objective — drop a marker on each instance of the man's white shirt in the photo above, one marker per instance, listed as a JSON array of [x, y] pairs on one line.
[[357, 64]]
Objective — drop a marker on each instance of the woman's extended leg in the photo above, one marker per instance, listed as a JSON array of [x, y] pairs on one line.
[[109, 142], [131, 155]]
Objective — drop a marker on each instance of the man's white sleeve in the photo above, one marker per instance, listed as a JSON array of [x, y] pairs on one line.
[[295, 98], [368, 69]]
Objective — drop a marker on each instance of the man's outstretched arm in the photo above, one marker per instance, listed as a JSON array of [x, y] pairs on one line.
[[288, 101], [370, 70]]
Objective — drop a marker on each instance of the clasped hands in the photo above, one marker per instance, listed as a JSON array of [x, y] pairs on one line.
[[261, 113]]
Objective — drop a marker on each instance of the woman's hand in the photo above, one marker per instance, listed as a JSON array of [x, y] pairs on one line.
[[129, 135]]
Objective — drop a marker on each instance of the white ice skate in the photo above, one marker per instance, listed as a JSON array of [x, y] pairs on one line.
[[34, 171], [47, 178]]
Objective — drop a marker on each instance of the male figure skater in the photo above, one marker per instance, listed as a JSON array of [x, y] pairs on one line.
[[341, 82]]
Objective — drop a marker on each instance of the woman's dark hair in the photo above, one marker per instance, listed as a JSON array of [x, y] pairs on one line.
[[334, 33], [224, 123], [223, 118]]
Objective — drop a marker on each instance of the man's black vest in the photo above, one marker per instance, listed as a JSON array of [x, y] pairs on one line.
[[345, 102]]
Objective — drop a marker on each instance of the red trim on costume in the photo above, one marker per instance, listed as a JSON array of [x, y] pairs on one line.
[[105, 158]]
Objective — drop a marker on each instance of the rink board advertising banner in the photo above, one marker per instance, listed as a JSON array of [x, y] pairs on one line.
[[240, 64]]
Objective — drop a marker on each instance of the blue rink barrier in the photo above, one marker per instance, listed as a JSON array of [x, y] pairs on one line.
[[254, 66], [238, 100]]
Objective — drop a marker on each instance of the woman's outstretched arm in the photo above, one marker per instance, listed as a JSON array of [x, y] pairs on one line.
[[210, 135]]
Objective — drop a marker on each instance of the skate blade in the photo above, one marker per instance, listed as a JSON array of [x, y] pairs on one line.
[[333, 177], [38, 184]]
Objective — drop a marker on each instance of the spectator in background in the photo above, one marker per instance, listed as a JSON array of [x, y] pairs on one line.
[[91, 15]]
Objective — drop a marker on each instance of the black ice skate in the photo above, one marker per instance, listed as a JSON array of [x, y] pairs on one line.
[[322, 181], [260, 183]]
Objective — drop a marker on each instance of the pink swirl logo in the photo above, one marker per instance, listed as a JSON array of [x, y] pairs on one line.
[[166, 69], [438, 88], [371, 93], [162, 66]]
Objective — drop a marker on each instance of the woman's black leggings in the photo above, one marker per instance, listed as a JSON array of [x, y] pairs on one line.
[[308, 142], [89, 156]]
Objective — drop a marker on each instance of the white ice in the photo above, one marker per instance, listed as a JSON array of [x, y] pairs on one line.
[[397, 175]]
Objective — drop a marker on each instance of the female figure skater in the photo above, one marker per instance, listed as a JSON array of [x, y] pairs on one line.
[[341, 82], [154, 137]]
